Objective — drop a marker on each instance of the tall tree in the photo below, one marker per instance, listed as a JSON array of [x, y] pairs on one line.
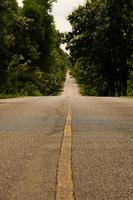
[[31, 58], [100, 45], [8, 9]]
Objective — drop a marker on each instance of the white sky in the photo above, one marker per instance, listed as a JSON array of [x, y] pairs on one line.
[[20, 2], [61, 9]]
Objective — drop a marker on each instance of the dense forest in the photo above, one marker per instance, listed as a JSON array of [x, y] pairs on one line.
[[100, 47], [31, 60]]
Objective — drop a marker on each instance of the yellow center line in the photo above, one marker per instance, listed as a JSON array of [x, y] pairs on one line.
[[64, 176]]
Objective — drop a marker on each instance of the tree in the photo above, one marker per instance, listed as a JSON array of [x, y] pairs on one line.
[[8, 9], [119, 34], [100, 45], [31, 58]]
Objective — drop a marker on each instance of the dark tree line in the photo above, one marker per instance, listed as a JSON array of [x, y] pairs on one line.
[[31, 61], [100, 46]]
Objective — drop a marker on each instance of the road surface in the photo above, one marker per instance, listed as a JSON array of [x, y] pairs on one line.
[[66, 147]]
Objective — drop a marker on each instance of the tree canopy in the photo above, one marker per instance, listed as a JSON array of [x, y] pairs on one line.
[[100, 45], [31, 60]]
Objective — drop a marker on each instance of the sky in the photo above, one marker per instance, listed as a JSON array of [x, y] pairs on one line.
[[61, 9], [20, 2]]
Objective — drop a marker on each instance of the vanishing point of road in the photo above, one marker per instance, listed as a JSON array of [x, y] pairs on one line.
[[67, 147]]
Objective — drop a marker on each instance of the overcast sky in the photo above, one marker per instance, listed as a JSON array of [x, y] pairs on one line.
[[61, 9], [20, 2]]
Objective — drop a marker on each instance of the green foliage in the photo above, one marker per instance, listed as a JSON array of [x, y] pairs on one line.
[[100, 45], [130, 85], [31, 61]]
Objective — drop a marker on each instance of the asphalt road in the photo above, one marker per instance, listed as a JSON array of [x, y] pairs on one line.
[[31, 135]]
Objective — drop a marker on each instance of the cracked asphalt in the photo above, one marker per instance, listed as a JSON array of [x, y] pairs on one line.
[[31, 133], [102, 148]]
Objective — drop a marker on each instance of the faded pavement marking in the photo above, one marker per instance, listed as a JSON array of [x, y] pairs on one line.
[[64, 177]]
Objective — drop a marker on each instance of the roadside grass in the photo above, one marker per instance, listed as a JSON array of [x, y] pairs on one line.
[[57, 92], [9, 96], [82, 89], [85, 91]]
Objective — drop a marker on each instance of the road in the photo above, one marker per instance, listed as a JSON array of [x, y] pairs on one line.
[[66, 147]]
